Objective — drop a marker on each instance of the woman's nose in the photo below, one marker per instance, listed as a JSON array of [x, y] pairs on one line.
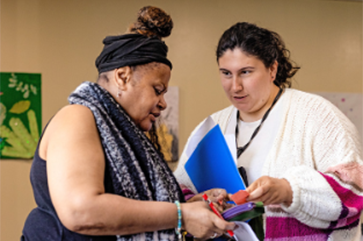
[[162, 103], [237, 84]]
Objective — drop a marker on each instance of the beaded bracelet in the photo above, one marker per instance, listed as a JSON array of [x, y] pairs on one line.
[[178, 229]]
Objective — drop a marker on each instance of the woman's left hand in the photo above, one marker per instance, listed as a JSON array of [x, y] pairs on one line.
[[217, 196], [270, 190]]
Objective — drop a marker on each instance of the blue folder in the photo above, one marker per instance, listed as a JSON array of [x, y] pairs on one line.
[[211, 165]]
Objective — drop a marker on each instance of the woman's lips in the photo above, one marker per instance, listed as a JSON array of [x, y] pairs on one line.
[[240, 97], [153, 116]]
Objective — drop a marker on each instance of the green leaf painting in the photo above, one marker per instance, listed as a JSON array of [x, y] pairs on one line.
[[20, 114]]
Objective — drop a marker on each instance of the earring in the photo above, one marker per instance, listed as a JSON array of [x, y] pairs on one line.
[[118, 93]]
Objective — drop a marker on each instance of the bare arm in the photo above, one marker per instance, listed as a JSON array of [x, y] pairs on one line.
[[75, 167]]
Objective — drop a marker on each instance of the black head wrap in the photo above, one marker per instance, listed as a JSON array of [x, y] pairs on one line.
[[131, 49]]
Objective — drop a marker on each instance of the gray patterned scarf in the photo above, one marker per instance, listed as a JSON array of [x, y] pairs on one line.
[[136, 168]]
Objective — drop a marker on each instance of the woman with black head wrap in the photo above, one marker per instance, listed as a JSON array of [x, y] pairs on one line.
[[95, 174]]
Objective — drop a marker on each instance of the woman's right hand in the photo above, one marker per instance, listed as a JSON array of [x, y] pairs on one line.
[[201, 222]]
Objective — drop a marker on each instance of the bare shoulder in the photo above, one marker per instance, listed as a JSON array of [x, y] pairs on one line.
[[74, 114], [71, 124], [72, 118]]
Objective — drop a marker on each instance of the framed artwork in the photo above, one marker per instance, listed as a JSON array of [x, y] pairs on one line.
[[169, 125], [20, 114]]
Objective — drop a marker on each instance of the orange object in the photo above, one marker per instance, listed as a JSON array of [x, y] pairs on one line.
[[240, 197]]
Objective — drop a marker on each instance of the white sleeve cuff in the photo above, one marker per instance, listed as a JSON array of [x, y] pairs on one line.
[[295, 194]]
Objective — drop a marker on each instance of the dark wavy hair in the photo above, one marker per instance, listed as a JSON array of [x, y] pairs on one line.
[[264, 44]]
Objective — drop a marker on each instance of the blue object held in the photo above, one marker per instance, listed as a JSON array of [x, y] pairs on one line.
[[211, 165]]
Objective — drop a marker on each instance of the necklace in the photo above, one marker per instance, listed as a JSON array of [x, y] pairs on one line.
[[240, 150]]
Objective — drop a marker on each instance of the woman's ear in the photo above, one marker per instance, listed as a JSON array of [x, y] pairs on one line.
[[122, 77], [273, 70]]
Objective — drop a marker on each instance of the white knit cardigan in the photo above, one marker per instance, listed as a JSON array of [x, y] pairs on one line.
[[317, 149]]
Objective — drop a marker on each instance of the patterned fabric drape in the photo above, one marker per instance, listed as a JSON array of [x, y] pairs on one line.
[[136, 168]]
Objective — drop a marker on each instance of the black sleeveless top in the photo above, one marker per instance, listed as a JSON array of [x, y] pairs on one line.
[[43, 223]]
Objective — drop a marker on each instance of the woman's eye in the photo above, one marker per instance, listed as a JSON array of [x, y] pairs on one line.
[[158, 92], [226, 73], [246, 71]]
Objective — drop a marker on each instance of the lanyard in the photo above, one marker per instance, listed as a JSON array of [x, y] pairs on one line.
[[240, 150]]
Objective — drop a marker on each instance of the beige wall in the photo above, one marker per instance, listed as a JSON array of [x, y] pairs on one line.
[[61, 39]]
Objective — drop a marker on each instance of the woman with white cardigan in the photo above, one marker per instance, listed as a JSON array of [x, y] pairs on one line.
[[302, 156]]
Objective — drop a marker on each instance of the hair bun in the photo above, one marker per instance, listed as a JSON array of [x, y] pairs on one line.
[[152, 21]]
